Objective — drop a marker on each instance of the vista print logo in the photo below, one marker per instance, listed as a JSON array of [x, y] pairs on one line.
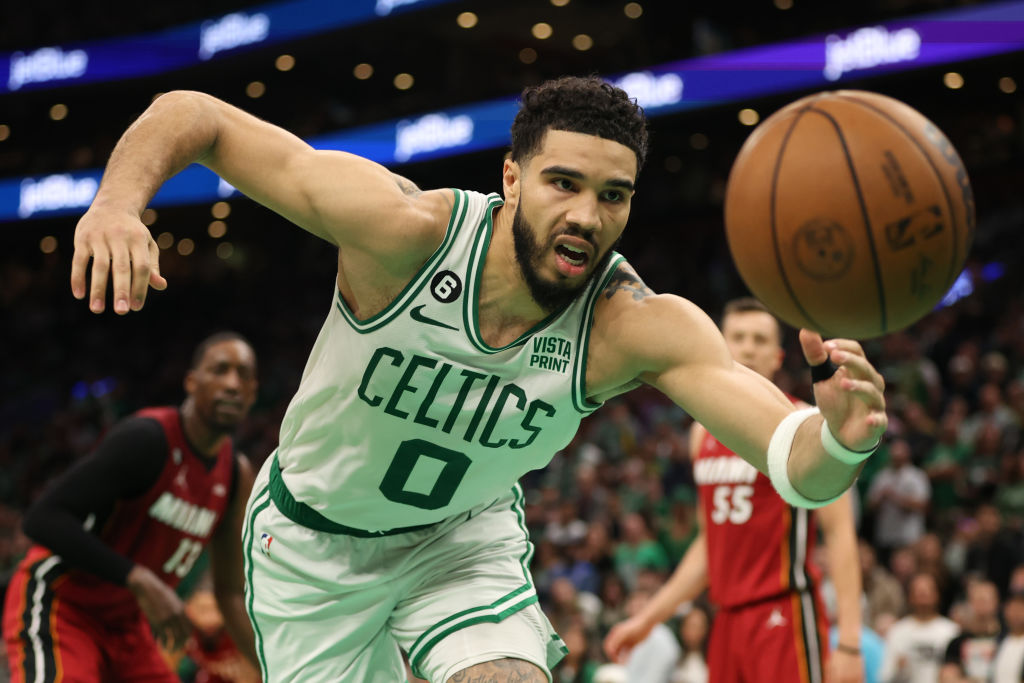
[[232, 31], [431, 132], [650, 90], [869, 47], [46, 64], [53, 192]]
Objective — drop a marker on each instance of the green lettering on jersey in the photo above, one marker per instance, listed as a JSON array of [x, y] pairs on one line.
[[499, 405], [428, 400], [403, 385], [396, 359], [535, 405], [478, 414], [471, 378]]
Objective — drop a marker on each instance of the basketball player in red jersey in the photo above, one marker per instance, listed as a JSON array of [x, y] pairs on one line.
[[117, 532], [753, 554]]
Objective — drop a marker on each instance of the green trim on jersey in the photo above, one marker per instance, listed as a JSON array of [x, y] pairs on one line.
[[494, 613], [579, 370], [247, 549], [304, 515], [417, 282], [474, 276]]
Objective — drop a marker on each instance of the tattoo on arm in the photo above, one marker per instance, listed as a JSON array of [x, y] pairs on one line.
[[405, 185], [626, 279], [500, 671]]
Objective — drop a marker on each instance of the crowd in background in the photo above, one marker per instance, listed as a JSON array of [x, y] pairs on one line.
[[939, 508]]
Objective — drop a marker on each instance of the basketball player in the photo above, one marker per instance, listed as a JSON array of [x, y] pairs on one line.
[[753, 554], [118, 531], [467, 335]]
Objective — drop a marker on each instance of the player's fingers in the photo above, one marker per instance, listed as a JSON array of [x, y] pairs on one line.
[[813, 347], [156, 280], [865, 390], [858, 367], [79, 266], [100, 270], [139, 255], [849, 345], [121, 269]]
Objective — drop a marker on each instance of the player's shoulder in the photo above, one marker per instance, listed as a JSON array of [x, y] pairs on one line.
[[635, 316]]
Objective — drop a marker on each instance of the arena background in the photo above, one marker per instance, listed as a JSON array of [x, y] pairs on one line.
[[67, 375]]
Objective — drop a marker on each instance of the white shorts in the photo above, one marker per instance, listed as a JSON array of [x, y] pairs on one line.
[[336, 607]]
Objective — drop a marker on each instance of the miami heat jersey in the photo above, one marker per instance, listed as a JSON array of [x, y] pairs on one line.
[[164, 529], [758, 546]]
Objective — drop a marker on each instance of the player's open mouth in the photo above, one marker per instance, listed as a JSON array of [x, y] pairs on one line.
[[571, 260]]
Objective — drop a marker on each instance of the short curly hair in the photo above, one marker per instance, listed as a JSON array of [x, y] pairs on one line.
[[587, 105]]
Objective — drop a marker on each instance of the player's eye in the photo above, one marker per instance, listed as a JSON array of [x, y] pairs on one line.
[[563, 184], [614, 196]]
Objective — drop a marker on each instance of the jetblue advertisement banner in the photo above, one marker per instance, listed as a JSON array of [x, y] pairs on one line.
[[818, 62], [58, 66]]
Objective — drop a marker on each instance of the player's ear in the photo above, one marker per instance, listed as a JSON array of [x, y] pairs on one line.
[[511, 173], [190, 383]]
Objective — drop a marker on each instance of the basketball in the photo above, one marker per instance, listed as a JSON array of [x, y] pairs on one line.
[[849, 213]]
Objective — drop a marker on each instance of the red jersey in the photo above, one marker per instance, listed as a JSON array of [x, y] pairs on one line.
[[758, 546], [165, 529]]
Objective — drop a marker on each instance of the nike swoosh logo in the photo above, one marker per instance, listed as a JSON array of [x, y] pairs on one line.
[[417, 315]]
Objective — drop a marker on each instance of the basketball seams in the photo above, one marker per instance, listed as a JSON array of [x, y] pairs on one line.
[[864, 214], [772, 211], [931, 164]]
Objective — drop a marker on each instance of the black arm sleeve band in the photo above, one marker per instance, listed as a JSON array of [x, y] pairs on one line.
[[125, 465]]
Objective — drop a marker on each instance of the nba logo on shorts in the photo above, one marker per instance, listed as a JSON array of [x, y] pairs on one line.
[[265, 541]]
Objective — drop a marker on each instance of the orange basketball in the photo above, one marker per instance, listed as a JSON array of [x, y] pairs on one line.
[[849, 213]]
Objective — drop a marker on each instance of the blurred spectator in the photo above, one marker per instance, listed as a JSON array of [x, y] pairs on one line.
[[676, 533], [883, 592], [578, 666], [991, 410], [898, 497], [928, 556], [1009, 498], [995, 550], [693, 634], [944, 464], [638, 550], [1008, 666], [653, 659], [971, 655], [915, 645]]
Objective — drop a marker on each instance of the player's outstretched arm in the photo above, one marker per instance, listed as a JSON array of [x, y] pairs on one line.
[[227, 566], [672, 345], [345, 199]]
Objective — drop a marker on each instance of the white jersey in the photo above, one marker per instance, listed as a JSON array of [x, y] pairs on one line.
[[409, 417]]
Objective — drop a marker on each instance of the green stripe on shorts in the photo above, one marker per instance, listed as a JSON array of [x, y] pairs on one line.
[[246, 552], [495, 612]]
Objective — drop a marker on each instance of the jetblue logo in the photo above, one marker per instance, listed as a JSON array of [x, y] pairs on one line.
[[46, 64], [430, 133], [232, 31], [55, 192], [869, 47], [650, 90]]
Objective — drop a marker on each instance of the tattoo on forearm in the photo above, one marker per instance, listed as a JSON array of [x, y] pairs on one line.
[[626, 279], [500, 671], [405, 185]]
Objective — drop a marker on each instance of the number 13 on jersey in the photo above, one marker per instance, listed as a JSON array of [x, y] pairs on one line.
[[732, 504]]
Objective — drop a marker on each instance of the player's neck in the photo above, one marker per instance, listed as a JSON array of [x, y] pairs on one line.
[[505, 307], [204, 439]]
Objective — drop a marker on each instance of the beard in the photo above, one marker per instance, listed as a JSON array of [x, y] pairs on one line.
[[550, 295]]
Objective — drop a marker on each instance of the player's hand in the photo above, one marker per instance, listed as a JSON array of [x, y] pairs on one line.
[[844, 667], [624, 636], [852, 400], [120, 244], [162, 607]]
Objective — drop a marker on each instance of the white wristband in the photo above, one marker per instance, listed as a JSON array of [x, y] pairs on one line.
[[778, 460], [841, 452]]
